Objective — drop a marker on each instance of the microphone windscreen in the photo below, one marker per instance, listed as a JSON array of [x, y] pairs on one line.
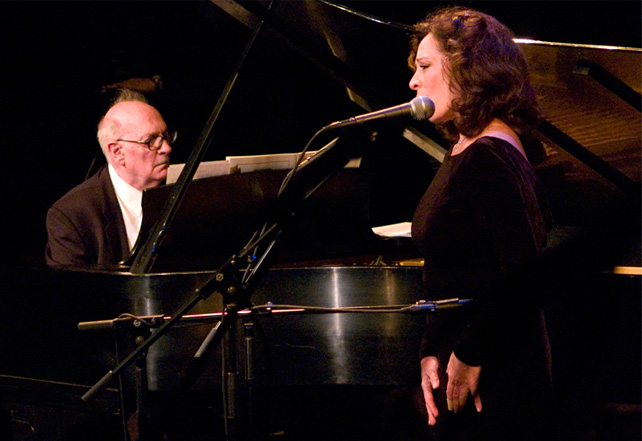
[[422, 108]]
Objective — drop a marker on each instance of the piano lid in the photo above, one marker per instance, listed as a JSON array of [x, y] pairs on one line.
[[589, 94], [592, 94]]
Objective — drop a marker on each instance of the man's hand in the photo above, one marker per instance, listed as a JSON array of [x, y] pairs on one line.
[[463, 380], [430, 382]]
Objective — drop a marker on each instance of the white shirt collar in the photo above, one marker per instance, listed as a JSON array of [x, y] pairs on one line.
[[130, 201], [131, 197]]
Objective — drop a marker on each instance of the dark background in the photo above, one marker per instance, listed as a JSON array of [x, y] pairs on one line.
[[56, 55]]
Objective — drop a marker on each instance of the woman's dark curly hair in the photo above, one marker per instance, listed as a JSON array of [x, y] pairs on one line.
[[487, 70]]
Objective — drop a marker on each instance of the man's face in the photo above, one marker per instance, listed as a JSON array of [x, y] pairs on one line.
[[136, 164]]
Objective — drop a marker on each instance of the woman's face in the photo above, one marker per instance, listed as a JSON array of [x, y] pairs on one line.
[[431, 80]]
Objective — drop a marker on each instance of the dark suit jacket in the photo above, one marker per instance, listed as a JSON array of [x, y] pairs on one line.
[[86, 225]]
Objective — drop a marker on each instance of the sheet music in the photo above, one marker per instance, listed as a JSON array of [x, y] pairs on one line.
[[280, 161], [244, 164], [402, 229], [204, 170]]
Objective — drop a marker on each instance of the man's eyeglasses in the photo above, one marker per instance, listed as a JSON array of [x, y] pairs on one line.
[[156, 142]]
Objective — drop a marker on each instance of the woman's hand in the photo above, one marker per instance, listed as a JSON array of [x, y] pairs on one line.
[[430, 382], [463, 380]]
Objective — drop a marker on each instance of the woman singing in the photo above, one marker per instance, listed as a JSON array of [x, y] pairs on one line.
[[481, 226]]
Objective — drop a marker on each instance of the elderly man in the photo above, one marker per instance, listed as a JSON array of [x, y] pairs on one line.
[[98, 221]]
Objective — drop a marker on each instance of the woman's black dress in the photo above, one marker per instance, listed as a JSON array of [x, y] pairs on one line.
[[481, 227]]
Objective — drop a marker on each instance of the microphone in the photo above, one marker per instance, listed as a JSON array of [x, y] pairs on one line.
[[419, 108]]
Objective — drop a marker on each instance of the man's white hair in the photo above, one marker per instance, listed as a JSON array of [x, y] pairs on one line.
[[109, 129]]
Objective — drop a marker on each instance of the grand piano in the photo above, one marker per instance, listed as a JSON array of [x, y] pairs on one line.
[[328, 260]]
